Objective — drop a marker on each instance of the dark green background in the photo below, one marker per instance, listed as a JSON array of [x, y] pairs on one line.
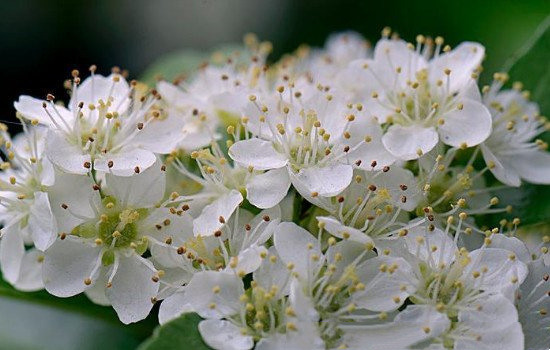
[[43, 40]]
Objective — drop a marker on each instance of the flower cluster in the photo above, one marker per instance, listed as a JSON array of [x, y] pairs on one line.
[[330, 200]]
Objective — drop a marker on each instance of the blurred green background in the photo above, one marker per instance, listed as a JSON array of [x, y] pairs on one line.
[[43, 40]]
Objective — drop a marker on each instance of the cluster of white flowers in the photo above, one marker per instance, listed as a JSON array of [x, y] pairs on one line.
[[326, 201]]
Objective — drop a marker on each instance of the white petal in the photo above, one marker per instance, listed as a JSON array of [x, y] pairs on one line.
[[297, 246], [30, 276], [470, 125], [132, 289], [534, 167], [141, 190], [446, 247], [65, 155], [406, 142], [97, 292], [125, 161], [384, 291], [12, 250], [512, 244], [506, 334], [502, 273], [224, 335], [32, 108], [77, 193], [173, 307], [209, 220], [390, 54], [343, 254], [170, 93], [406, 330], [337, 229], [42, 225], [202, 291], [97, 87], [266, 229], [393, 181], [268, 189], [502, 169], [533, 296], [301, 303], [370, 151], [462, 61], [326, 181], [272, 273], [249, 260], [161, 136], [67, 264], [257, 153], [302, 338]]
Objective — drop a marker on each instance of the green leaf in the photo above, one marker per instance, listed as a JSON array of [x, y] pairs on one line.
[[48, 315], [531, 66], [181, 333]]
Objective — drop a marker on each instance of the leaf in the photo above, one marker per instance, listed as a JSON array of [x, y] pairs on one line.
[[531, 65], [46, 314], [181, 333], [25, 325], [79, 304]]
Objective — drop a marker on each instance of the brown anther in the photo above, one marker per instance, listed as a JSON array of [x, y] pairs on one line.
[[340, 199], [136, 170], [110, 164], [403, 187], [140, 126], [373, 164], [372, 187], [386, 169], [247, 227], [266, 218], [181, 250], [96, 187], [221, 219], [87, 165], [62, 235], [217, 233]]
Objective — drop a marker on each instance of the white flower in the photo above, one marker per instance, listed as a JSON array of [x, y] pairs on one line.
[[328, 64], [236, 247], [533, 302], [306, 133], [372, 207], [104, 233], [509, 152], [472, 289], [412, 326], [108, 125], [425, 101], [25, 212]]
